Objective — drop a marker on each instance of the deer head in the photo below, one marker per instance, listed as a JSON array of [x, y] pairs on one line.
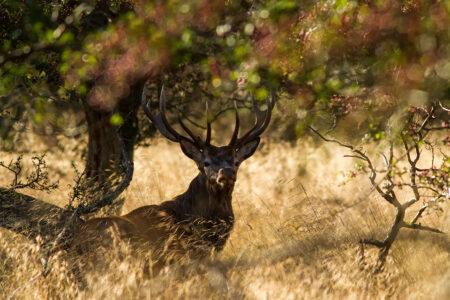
[[218, 164]]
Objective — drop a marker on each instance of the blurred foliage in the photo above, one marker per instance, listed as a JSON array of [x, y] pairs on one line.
[[351, 66], [34, 37]]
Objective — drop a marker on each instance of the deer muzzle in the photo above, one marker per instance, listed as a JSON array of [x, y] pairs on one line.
[[226, 176]]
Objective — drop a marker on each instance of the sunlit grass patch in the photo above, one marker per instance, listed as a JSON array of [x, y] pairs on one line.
[[295, 237]]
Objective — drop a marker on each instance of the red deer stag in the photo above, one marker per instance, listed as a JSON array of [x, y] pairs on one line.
[[199, 220]]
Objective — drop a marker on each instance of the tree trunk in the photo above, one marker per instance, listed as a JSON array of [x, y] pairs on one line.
[[104, 157]]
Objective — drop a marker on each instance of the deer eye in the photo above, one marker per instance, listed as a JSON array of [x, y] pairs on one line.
[[206, 163], [237, 164]]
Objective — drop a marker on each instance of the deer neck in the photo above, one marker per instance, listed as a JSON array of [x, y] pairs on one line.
[[202, 200]]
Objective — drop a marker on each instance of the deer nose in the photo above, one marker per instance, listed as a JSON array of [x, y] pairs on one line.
[[226, 175]]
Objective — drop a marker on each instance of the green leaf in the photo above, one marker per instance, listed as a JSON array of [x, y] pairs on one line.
[[282, 7], [339, 4], [261, 93], [38, 117], [116, 120], [67, 37]]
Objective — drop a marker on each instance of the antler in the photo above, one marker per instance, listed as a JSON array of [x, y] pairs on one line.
[[262, 121], [161, 123]]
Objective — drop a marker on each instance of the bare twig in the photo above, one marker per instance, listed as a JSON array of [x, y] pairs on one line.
[[388, 162], [421, 187], [413, 170], [37, 180], [354, 156], [187, 118], [373, 242], [443, 107], [420, 227], [426, 120]]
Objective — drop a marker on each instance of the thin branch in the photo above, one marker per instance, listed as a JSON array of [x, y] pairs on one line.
[[221, 112], [412, 147], [444, 108], [419, 214], [388, 162], [432, 152], [409, 203], [354, 156], [413, 170], [373, 242], [331, 141], [427, 119], [421, 187], [420, 227], [333, 126], [192, 121], [422, 131]]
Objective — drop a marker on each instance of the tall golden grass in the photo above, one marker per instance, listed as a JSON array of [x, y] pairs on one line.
[[295, 237]]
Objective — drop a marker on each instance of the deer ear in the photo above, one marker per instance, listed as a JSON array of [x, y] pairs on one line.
[[247, 150], [191, 151]]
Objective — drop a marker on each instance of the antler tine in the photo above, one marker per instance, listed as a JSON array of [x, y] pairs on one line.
[[268, 112], [166, 128], [236, 127], [254, 103], [208, 127], [156, 119], [162, 108], [273, 98], [262, 119], [195, 138], [144, 104], [208, 133], [258, 121]]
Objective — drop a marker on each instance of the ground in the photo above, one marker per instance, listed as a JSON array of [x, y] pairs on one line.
[[296, 235]]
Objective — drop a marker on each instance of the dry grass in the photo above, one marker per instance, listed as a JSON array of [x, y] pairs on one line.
[[295, 236]]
